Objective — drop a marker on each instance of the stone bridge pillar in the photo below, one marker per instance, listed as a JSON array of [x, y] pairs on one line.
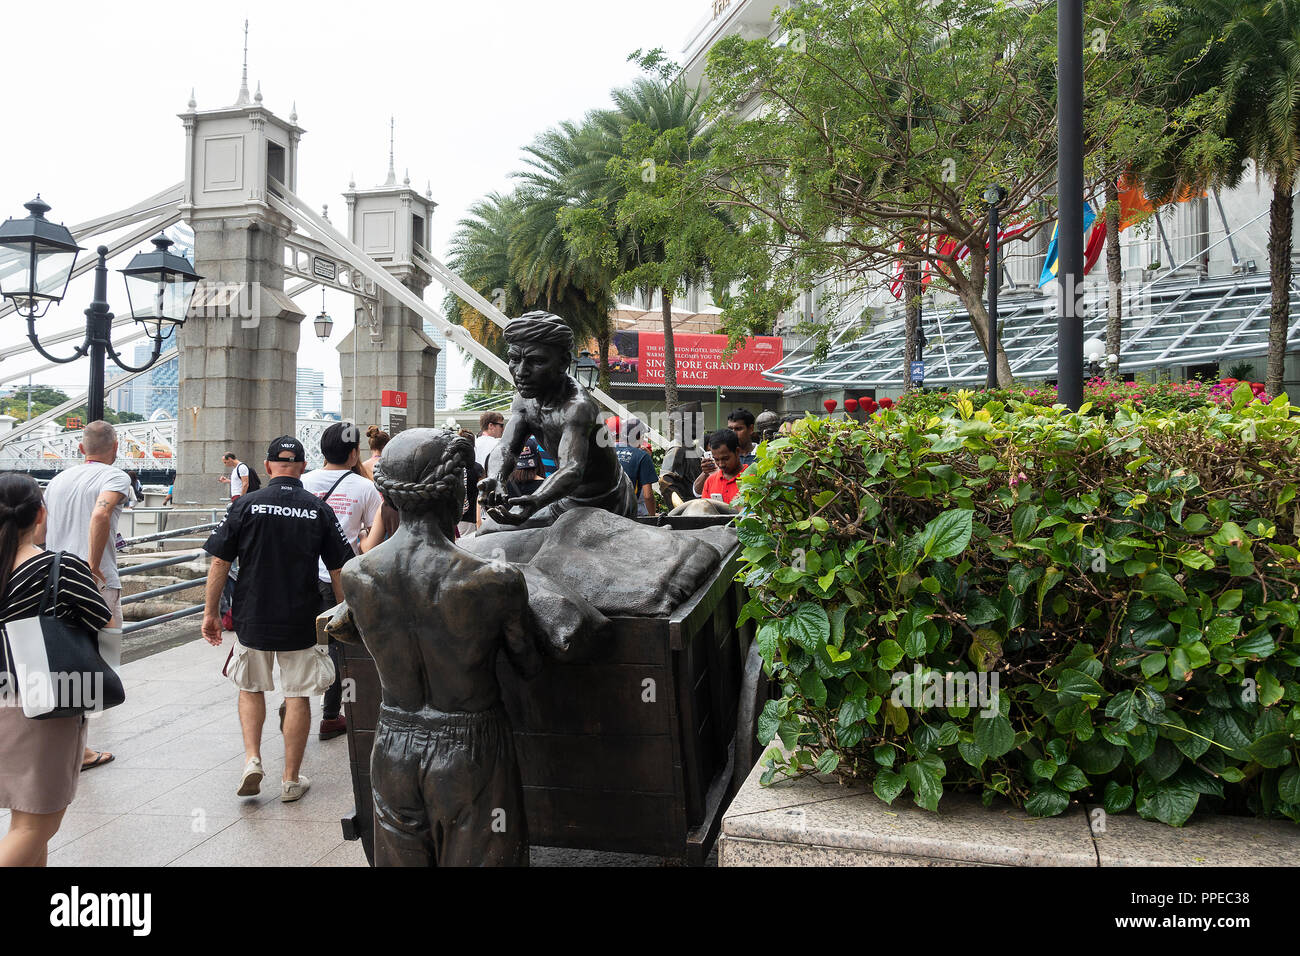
[[239, 348], [388, 348]]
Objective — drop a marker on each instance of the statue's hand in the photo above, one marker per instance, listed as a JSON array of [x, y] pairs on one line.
[[490, 494], [516, 510]]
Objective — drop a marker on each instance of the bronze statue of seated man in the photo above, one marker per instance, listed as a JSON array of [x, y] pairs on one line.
[[551, 406], [445, 779]]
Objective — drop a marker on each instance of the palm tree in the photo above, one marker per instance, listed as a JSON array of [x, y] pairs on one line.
[[565, 169], [480, 254], [665, 109], [1244, 57]]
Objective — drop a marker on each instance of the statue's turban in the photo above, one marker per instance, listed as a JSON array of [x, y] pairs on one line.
[[540, 328]]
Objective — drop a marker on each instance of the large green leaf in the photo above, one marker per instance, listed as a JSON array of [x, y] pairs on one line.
[[807, 625], [1097, 756], [1161, 584], [888, 653], [1117, 797], [1023, 522], [1272, 750], [1288, 786], [947, 535], [1046, 800], [768, 721], [1075, 685], [1170, 803], [767, 638], [994, 735], [888, 785], [925, 776]]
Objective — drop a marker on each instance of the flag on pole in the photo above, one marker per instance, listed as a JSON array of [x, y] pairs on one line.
[[1053, 263]]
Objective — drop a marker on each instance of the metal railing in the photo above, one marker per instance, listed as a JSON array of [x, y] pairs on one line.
[[167, 588]]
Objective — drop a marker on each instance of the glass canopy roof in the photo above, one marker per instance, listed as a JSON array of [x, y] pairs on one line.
[[1183, 323]]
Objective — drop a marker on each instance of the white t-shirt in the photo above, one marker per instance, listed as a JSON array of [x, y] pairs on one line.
[[483, 446], [237, 479], [70, 500], [355, 502]]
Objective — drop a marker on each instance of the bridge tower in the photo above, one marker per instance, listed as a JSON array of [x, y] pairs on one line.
[[239, 348], [388, 348]]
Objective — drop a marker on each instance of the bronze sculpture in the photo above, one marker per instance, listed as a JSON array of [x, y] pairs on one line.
[[434, 617], [550, 405]]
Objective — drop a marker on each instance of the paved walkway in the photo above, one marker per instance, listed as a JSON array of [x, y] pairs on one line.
[[168, 799]]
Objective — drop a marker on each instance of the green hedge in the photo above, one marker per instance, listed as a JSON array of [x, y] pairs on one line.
[[1128, 584]]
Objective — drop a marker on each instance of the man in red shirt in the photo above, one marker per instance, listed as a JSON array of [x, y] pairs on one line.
[[725, 447]]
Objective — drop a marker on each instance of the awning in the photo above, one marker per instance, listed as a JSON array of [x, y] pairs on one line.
[[1184, 322]]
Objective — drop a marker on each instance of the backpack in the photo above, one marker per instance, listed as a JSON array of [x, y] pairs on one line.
[[251, 481]]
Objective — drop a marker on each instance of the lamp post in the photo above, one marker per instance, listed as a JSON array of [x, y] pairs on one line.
[[159, 286], [1094, 350], [586, 369], [993, 196], [1069, 192]]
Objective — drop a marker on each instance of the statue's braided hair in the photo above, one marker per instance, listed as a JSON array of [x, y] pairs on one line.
[[424, 468]]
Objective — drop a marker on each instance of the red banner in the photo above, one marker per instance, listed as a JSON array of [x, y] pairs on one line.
[[699, 359]]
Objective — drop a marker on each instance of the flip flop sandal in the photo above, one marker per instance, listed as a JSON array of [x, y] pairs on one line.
[[101, 757]]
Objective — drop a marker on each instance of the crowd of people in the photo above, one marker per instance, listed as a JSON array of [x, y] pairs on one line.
[[275, 566]]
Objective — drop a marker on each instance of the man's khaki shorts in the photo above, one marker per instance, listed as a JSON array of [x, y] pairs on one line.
[[305, 673]]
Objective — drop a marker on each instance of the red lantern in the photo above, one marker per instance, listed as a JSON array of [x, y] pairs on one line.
[[886, 403], [830, 405], [869, 405], [850, 405]]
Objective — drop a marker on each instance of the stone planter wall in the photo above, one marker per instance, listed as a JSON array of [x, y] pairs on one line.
[[816, 821]]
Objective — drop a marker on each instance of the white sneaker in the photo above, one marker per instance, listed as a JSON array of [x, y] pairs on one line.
[[291, 790], [250, 783]]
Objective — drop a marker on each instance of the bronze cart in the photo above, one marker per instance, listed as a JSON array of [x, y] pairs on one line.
[[636, 750]]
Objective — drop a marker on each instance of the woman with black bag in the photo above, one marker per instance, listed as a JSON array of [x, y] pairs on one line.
[[40, 760]]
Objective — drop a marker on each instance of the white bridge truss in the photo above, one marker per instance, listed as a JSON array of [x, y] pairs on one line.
[[316, 254]]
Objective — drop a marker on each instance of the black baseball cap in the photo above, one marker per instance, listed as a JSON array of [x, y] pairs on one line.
[[286, 443]]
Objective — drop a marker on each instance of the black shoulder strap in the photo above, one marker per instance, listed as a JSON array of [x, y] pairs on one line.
[[326, 497], [51, 599]]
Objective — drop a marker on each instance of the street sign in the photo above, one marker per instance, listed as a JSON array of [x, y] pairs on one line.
[[392, 411], [918, 371], [323, 268]]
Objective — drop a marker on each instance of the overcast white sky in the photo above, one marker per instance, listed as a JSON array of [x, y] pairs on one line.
[[91, 120]]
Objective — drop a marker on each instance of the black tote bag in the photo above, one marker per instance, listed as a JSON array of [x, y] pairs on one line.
[[55, 664]]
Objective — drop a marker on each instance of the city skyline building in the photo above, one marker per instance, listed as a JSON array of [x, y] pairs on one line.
[[310, 392]]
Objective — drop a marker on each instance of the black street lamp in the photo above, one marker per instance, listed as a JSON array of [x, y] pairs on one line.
[[1069, 195], [586, 369], [993, 196], [159, 287], [41, 254], [324, 324]]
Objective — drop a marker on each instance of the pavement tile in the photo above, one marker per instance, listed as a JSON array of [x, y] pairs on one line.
[[114, 788], [213, 792], [1206, 840], [74, 825], [347, 853], [187, 751], [135, 840], [265, 842], [328, 800]]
